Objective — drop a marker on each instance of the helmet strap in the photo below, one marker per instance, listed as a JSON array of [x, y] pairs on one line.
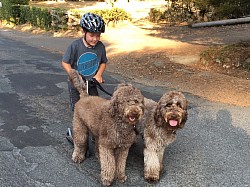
[[89, 45]]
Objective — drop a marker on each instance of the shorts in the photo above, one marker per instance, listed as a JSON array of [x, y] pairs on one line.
[[74, 95]]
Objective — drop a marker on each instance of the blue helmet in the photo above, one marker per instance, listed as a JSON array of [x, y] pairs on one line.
[[92, 23]]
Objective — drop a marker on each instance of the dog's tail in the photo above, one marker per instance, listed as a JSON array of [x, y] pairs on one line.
[[78, 82]]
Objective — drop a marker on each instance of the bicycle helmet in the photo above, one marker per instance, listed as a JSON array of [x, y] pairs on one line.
[[92, 23]]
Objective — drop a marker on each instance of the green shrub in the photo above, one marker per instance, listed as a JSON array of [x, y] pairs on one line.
[[55, 18], [200, 10], [59, 19], [24, 14], [155, 15], [114, 15], [19, 2], [10, 10], [232, 9]]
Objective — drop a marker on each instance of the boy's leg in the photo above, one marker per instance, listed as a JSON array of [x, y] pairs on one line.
[[93, 88], [94, 92], [74, 95]]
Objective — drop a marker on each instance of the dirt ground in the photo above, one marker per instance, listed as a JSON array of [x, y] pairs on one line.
[[167, 56], [160, 55]]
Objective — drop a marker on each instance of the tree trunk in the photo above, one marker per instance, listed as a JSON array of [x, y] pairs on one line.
[[222, 22]]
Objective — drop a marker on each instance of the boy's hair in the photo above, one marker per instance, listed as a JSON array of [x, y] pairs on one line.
[[92, 23]]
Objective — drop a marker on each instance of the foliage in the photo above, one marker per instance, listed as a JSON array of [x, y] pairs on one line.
[[225, 8], [114, 15], [55, 18], [19, 2], [59, 19], [10, 10], [155, 15], [200, 10], [232, 8]]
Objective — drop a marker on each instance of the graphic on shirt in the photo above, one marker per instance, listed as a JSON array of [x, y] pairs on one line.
[[87, 65]]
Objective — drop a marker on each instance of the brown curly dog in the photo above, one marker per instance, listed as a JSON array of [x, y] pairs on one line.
[[112, 124], [158, 128]]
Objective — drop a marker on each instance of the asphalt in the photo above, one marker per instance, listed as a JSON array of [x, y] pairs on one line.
[[211, 150]]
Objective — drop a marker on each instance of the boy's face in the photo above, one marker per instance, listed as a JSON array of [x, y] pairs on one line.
[[92, 38]]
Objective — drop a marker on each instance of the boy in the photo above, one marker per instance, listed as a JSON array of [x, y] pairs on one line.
[[92, 26]]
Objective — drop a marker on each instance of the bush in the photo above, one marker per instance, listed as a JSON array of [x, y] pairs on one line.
[[24, 14], [232, 9], [55, 18], [10, 10], [155, 15], [114, 15], [200, 10]]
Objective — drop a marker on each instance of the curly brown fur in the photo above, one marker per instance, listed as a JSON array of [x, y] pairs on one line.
[[112, 124], [158, 127], [78, 82]]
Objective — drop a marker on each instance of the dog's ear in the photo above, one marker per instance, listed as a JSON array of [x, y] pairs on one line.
[[184, 104], [157, 116], [113, 105], [185, 113], [184, 117]]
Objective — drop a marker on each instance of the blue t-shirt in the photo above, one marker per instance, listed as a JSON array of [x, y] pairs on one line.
[[77, 48]]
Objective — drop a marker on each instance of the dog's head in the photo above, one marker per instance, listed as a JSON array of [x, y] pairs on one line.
[[171, 110], [128, 103]]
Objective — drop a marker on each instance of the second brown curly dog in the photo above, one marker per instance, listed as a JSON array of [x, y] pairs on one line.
[[158, 128], [112, 124]]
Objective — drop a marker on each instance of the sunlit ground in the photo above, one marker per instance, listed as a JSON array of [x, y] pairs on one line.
[[131, 38], [124, 37]]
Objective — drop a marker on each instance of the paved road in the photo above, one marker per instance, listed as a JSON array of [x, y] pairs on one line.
[[212, 150]]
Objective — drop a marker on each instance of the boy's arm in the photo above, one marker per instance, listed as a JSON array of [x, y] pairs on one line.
[[99, 73], [67, 67]]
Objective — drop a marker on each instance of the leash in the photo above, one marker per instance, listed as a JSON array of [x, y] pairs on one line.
[[100, 87]]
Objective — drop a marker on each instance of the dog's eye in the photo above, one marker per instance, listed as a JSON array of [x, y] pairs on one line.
[[179, 104], [133, 101], [136, 101]]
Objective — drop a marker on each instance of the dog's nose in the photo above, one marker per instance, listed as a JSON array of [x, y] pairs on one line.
[[132, 102], [174, 116], [134, 114]]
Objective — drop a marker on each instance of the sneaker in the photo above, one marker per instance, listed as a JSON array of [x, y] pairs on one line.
[[69, 136]]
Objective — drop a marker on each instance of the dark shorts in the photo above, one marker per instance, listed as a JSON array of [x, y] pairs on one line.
[[74, 95]]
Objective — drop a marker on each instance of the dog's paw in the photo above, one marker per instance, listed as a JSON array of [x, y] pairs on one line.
[[152, 178], [122, 179], [106, 182], [78, 158]]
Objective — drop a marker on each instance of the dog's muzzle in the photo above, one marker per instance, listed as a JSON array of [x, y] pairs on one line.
[[173, 119], [133, 114]]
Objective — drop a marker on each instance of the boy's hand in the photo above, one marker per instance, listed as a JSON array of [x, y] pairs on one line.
[[99, 78]]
